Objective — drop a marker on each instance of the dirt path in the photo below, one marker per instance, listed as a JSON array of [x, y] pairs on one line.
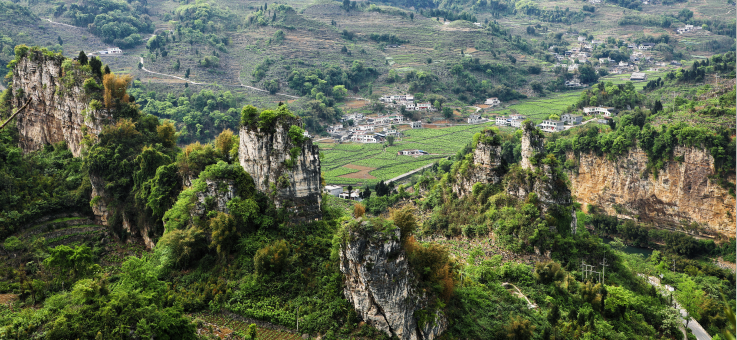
[[363, 174], [143, 68]]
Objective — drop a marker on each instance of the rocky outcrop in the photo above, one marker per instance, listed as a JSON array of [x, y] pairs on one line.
[[485, 167], [281, 168], [682, 190], [131, 227], [381, 287], [59, 110], [538, 174], [215, 196]]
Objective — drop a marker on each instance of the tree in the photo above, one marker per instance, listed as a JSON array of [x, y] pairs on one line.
[[350, 190], [58, 39], [429, 60], [186, 73], [519, 329], [390, 140], [690, 298], [447, 112], [339, 92], [177, 64], [367, 193], [272, 86], [82, 58], [587, 74], [69, 262], [358, 210]]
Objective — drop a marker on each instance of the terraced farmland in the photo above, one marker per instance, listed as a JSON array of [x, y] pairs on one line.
[[439, 143]]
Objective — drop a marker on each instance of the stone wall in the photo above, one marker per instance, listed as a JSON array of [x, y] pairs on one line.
[[682, 191], [264, 155], [381, 287], [56, 112]]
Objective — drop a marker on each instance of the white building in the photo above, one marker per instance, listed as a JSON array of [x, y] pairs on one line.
[[476, 119], [415, 125], [355, 196], [364, 138], [397, 98], [581, 38], [516, 122], [411, 153], [109, 51], [306, 134], [423, 106], [333, 190], [551, 125], [604, 111], [493, 101], [636, 76], [571, 118], [502, 121]]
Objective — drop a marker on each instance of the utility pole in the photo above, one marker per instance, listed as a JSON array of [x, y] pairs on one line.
[[603, 269]]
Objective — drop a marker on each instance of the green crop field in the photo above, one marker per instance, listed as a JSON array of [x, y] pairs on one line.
[[439, 143]]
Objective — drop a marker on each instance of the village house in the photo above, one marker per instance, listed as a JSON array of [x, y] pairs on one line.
[[423, 106], [604, 120], [600, 110], [109, 51], [581, 38], [646, 46], [476, 119], [551, 125], [493, 101], [636, 76], [415, 125], [411, 153], [397, 98], [333, 190], [571, 118], [573, 83], [516, 122], [365, 138], [354, 196], [502, 121]]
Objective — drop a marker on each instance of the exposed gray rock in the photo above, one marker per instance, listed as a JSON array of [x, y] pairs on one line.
[[485, 167], [217, 194], [381, 287], [264, 155], [57, 112]]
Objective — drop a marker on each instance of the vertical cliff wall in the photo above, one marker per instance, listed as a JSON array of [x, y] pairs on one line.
[[381, 287], [682, 191], [57, 111], [538, 173], [293, 182], [484, 168]]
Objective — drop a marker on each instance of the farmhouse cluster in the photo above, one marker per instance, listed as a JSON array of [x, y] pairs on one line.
[[363, 129]]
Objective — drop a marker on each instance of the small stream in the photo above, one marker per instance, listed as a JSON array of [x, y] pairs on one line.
[[630, 250]]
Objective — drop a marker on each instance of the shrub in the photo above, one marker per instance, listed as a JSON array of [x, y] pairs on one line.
[[13, 244], [272, 258], [358, 210]]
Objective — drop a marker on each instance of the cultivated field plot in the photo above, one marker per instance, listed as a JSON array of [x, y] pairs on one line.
[[541, 107], [341, 162], [228, 325]]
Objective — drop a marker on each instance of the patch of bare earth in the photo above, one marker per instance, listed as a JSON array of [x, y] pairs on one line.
[[6, 299], [363, 174]]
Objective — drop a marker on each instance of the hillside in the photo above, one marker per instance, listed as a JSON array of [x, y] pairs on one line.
[[185, 186]]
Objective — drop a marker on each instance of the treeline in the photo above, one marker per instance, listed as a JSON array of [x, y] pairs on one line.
[[620, 96], [470, 89], [657, 142], [565, 16], [448, 15], [643, 236], [199, 116], [115, 22], [387, 38], [645, 20]]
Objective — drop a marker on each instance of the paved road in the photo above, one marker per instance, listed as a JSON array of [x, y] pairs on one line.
[[694, 325]]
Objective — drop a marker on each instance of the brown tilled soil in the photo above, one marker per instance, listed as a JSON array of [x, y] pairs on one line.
[[6, 299], [355, 104], [363, 174]]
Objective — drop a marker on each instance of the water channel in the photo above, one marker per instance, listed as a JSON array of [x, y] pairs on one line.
[[630, 250]]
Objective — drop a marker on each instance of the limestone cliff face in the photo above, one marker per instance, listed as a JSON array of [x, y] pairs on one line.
[[538, 174], [381, 287], [56, 111], [266, 156], [130, 227], [485, 167], [682, 191]]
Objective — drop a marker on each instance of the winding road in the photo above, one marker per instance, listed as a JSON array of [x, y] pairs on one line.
[[694, 325]]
